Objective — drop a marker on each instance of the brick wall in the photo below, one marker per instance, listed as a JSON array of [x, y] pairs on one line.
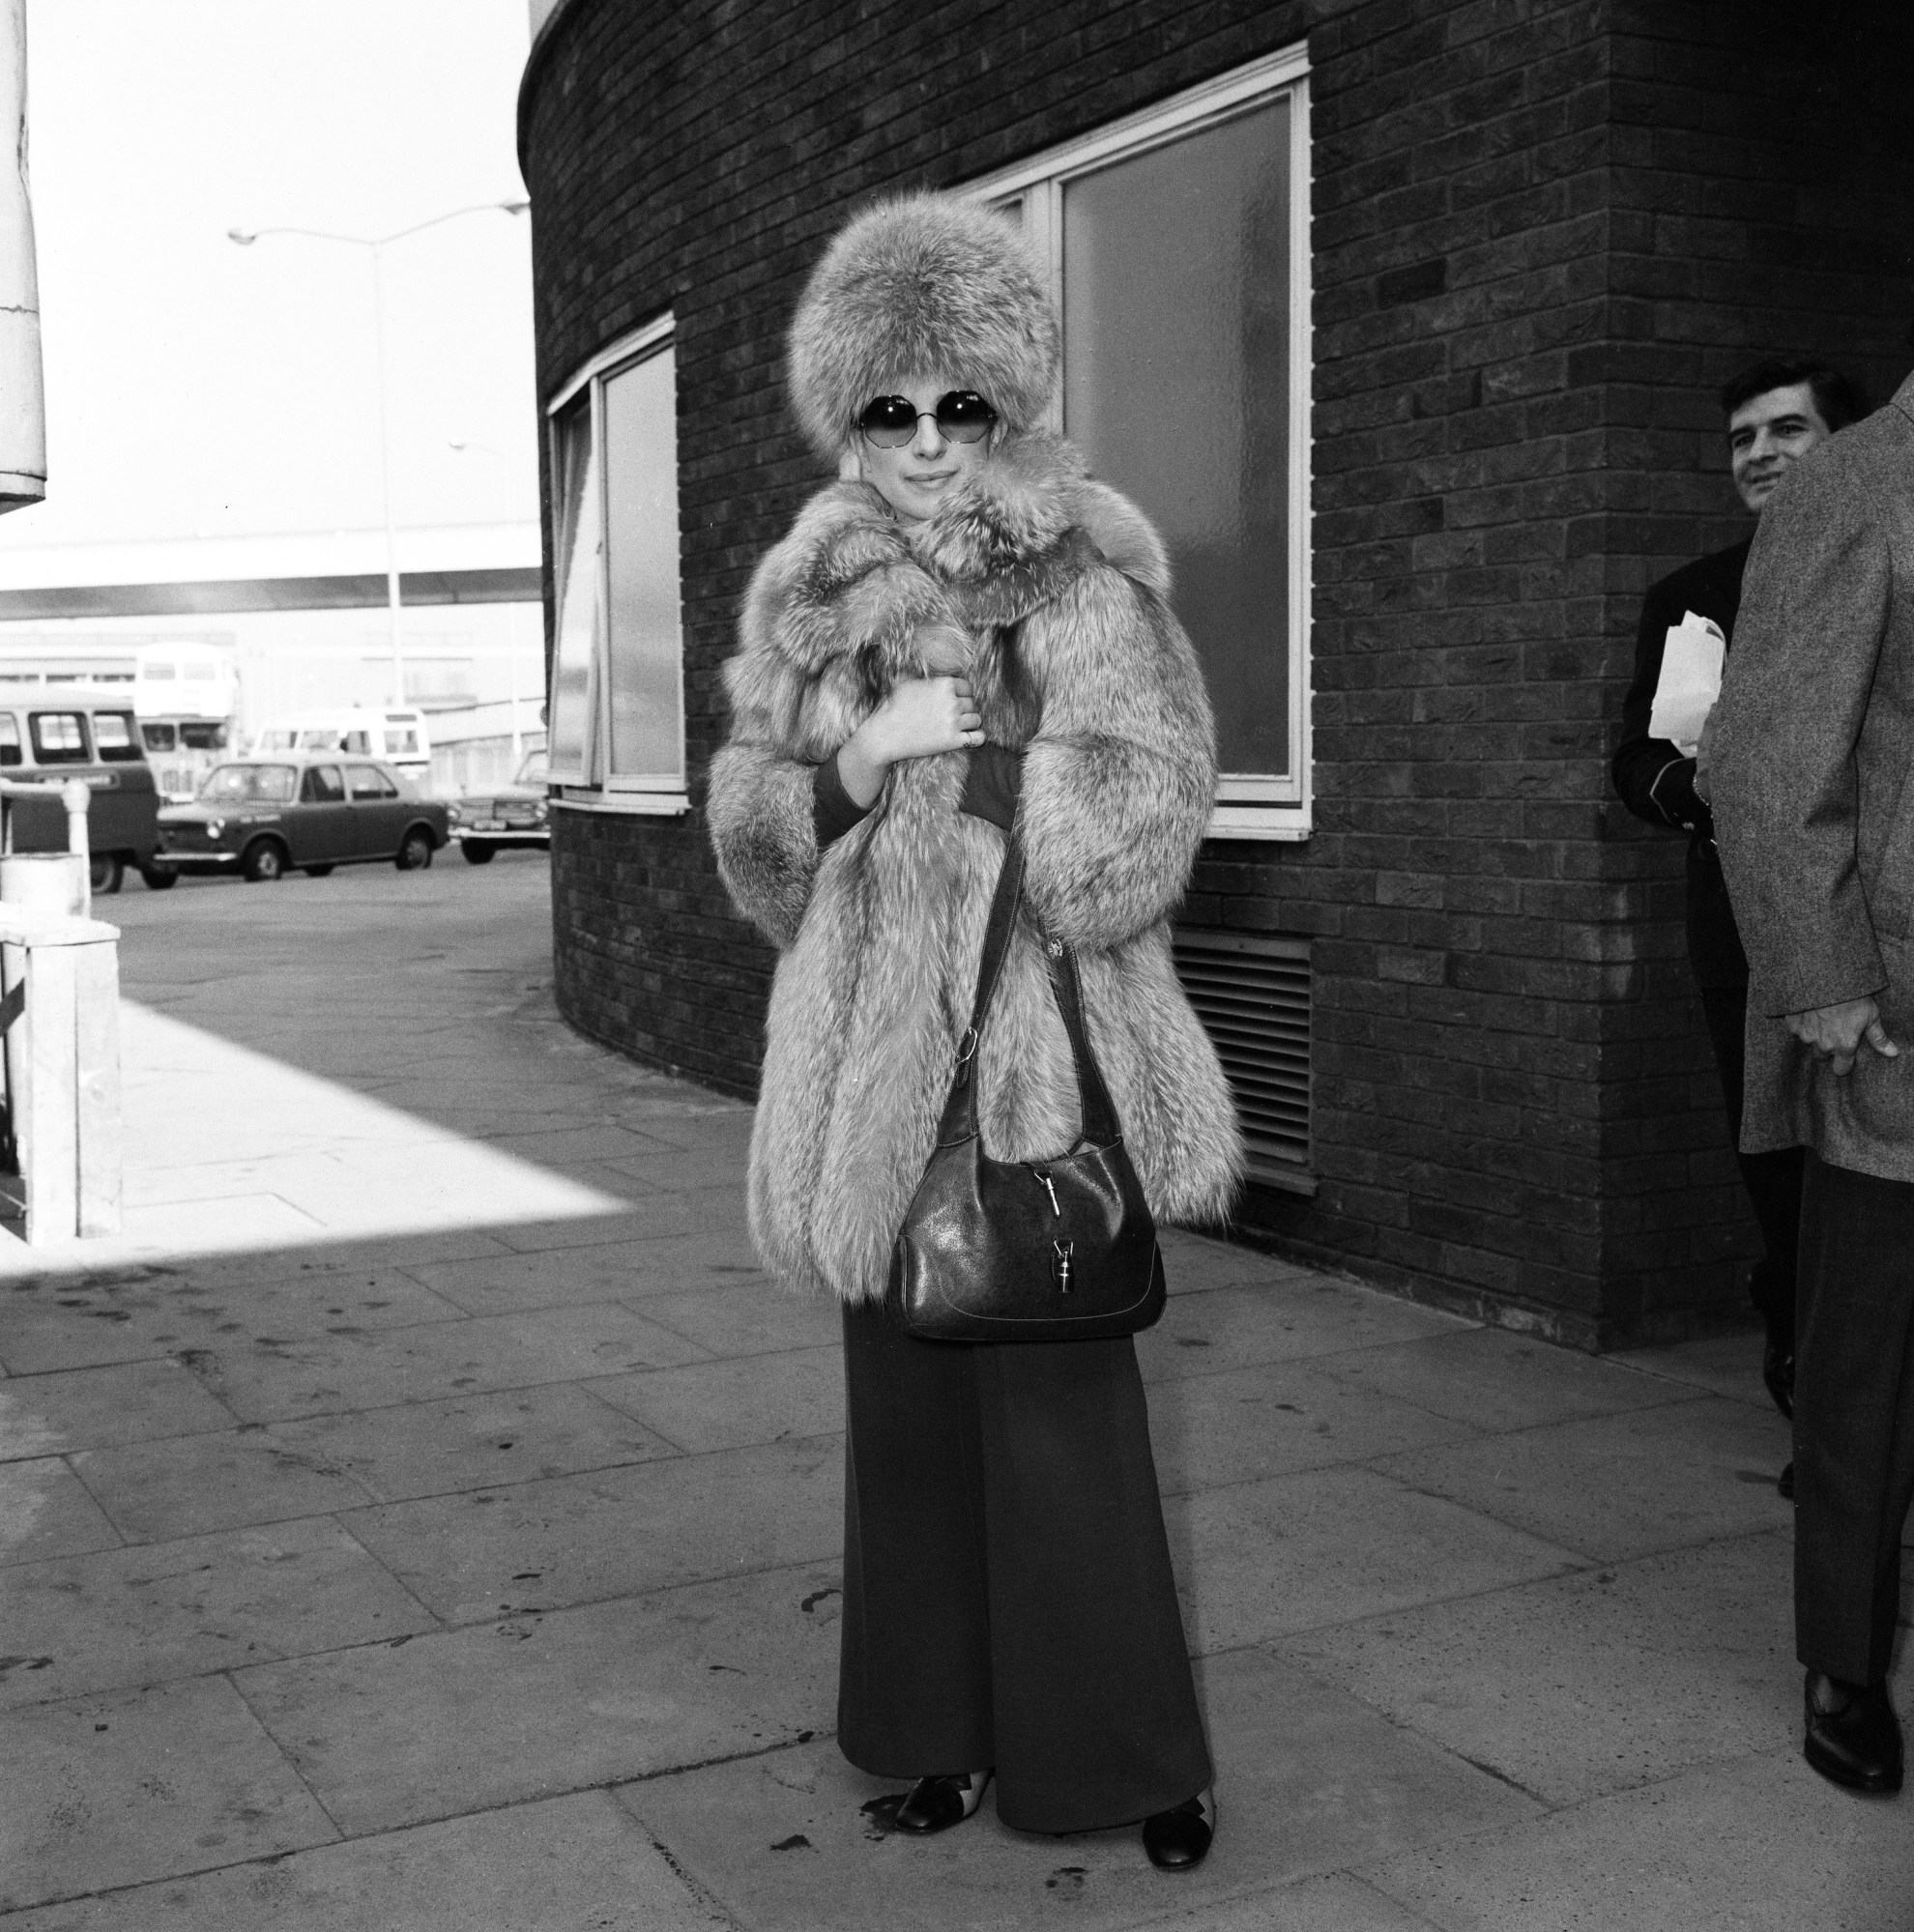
[[1543, 232]]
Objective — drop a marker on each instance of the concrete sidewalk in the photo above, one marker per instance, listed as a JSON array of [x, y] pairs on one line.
[[427, 1516]]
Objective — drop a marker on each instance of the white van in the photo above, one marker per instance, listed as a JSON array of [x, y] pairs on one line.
[[398, 736]]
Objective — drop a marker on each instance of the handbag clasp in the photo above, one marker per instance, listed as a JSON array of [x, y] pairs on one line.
[[1063, 1264]]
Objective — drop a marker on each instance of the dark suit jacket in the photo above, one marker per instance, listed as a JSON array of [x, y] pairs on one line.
[[1811, 756], [1657, 783]]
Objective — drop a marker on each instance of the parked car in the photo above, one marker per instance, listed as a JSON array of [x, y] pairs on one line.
[[262, 817], [45, 741], [518, 814]]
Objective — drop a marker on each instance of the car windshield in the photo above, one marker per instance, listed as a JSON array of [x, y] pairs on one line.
[[249, 784], [532, 770]]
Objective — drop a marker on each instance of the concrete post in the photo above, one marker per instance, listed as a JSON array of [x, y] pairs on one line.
[[22, 396]]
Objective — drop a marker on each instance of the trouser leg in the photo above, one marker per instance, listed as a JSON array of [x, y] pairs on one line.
[[1096, 1715], [1008, 1599], [1771, 1180], [915, 1683], [1853, 1418]]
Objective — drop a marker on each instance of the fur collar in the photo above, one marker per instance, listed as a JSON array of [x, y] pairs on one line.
[[851, 578]]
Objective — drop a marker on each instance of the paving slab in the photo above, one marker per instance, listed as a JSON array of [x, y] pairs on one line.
[[279, 1377], [1619, 1486], [46, 1511], [1677, 1659], [1316, 1782], [535, 1705], [574, 1865], [1761, 1845], [192, 1484], [1211, 1431], [108, 1791], [748, 1317], [609, 1271], [1724, 1364], [1334, 1904], [618, 1532], [1494, 1380], [88, 1408], [475, 1442], [120, 1618], [1265, 1559], [1282, 1319], [731, 1404], [45, 1327]]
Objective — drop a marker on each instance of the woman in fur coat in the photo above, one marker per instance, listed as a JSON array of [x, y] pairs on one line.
[[963, 634]]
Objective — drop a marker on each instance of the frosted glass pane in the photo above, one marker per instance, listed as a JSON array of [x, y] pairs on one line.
[[1176, 348], [575, 553], [641, 532]]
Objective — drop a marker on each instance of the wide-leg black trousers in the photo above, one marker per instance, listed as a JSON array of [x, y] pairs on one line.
[[1008, 1593], [1853, 1418]]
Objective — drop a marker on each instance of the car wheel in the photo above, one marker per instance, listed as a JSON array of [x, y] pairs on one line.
[[159, 877], [415, 852], [316, 871], [265, 860], [107, 872], [477, 851]]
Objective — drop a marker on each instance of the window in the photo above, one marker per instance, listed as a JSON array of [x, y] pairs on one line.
[[9, 739], [158, 674], [1178, 249], [59, 737], [203, 738], [160, 737], [202, 674], [250, 785], [617, 701], [322, 786], [115, 735], [367, 781]]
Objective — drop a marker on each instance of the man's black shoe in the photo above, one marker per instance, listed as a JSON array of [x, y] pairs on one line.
[[1853, 1735], [1777, 1373]]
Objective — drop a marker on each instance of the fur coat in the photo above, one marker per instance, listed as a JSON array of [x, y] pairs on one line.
[[1047, 590]]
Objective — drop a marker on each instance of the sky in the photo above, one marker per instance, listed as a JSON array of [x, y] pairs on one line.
[[195, 388]]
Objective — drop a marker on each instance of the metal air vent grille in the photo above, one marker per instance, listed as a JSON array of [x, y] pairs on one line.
[[1251, 993]]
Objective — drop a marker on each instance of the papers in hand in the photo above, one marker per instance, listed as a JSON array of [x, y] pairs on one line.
[[1691, 681]]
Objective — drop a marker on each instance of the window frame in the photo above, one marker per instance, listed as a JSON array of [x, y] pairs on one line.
[[1248, 806], [592, 785]]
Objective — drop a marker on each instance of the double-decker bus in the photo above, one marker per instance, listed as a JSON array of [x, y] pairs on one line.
[[187, 698]]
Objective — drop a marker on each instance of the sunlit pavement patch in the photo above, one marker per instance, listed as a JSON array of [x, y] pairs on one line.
[[227, 1150]]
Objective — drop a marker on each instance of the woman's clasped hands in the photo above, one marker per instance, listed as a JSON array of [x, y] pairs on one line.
[[919, 717]]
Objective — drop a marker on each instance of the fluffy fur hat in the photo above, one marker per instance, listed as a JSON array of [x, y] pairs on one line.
[[921, 284]]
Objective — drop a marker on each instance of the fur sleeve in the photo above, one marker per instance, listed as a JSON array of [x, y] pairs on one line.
[[1118, 780]]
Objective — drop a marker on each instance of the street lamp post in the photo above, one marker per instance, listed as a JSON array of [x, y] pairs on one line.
[[378, 244]]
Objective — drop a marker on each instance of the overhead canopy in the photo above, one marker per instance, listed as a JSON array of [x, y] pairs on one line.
[[515, 586]]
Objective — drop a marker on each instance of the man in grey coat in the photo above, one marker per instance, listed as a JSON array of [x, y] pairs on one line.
[[1808, 761]]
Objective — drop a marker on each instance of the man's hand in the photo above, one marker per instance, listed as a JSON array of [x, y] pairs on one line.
[[1703, 783], [1837, 1033]]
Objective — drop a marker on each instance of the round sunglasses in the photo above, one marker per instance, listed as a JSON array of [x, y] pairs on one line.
[[961, 416]]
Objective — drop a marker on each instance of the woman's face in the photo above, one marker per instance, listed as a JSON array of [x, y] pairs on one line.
[[915, 478]]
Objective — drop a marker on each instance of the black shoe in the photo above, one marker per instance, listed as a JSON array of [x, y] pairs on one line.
[[931, 1805], [1853, 1735], [1777, 1373], [1178, 1841], [1785, 1482]]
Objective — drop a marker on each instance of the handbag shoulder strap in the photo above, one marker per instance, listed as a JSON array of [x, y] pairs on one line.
[[960, 1112]]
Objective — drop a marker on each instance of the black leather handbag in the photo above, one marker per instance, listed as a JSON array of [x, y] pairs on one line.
[[1026, 1251]]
